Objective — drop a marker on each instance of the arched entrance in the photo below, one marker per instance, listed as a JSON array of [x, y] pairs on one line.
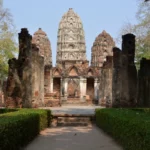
[[56, 86], [90, 88]]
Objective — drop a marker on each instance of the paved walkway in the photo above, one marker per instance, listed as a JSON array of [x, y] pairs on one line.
[[73, 138]]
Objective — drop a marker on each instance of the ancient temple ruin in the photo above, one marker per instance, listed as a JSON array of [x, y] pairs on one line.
[[109, 80], [73, 81]]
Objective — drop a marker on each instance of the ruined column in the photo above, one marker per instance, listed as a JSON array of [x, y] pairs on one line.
[[25, 84], [19, 82], [41, 85], [47, 79], [61, 90], [106, 83], [61, 87], [96, 88], [25, 57], [65, 89], [51, 85], [129, 72], [2, 93], [82, 89], [117, 77], [101, 88], [144, 83]]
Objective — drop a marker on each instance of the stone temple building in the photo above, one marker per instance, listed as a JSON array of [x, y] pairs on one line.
[[72, 81], [33, 81]]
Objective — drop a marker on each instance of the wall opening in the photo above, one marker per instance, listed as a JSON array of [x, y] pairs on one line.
[[56, 87], [90, 88]]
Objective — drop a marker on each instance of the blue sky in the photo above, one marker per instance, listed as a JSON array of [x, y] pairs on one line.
[[96, 16]]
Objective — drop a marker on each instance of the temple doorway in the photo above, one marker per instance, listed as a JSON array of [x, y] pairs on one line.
[[56, 87], [73, 88], [90, 88]]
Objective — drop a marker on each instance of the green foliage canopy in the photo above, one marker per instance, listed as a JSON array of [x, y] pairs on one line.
[[8, 46], [141, 29]]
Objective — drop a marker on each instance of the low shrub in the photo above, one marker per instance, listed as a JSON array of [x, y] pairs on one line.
[[146, 110], [130, 128], [5, 110], [18, 128]]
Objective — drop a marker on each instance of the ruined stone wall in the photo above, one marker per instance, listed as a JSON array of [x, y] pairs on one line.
[[47, 78], [124, 74], [129, 72], [22, 81], [25, 68], [105, 88], [37, 78], [144, 83], [117, 77], [2, 89]]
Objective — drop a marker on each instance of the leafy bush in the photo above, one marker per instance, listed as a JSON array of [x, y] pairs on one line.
[[4, 110], [146, 110], [18, 128], [130, 128]]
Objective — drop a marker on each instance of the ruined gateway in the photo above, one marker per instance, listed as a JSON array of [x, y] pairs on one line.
[[34, 82]]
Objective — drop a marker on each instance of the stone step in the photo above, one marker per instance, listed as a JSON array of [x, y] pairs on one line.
[[73, 102], [51, 99], [73, 121], [73, 99], [76, 104], [73, 124]]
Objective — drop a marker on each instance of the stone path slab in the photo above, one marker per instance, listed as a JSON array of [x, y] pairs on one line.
[[73, 138], [75, 110]]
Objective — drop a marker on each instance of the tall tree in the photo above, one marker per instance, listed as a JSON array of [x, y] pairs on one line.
[[8, 46], [141, 30]]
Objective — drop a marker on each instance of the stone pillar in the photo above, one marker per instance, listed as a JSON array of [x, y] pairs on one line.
[[61, 90], [129, 72], [50, 81], [84, 82], [61, 87], [65, 89], [117, 77], [96, 88], [81, 89], [105, 86], [144, 83], [100, 87], [51, 85], [42, 84], [47, 78]]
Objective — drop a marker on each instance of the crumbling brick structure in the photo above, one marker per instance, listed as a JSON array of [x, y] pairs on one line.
[[110, 81], [105, 87], [24, 88], [117, 77], [144, 83], [118, 81], [129, 72]]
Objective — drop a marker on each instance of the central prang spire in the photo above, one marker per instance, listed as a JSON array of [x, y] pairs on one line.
[[71, 39]]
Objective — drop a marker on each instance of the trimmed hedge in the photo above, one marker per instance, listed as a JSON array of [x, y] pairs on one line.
[[131, 128], [18, 128], [146, 110], [5, 110]]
